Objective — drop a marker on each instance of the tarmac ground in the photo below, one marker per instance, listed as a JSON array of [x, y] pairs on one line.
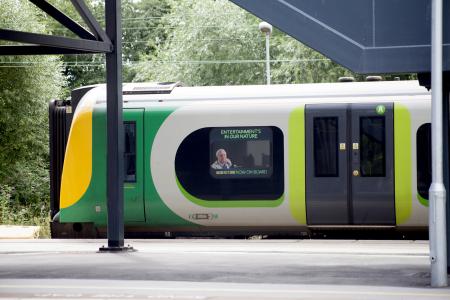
[[217, 269]]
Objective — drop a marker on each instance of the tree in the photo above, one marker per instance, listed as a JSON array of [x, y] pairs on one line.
[[207, 41], [214, 42], [298, 63], [140, 31], [27, 83]]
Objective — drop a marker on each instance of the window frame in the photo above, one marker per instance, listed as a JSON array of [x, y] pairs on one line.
[[318, 162], [126, 155], [192, 168], [362, 147]]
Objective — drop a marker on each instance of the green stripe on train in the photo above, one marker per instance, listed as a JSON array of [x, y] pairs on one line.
[[229, 203], [297, 194], [403, 162], [92, 206], [423, 200]]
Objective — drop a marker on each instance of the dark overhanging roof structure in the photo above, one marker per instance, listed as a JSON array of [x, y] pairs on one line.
[[365, 36]]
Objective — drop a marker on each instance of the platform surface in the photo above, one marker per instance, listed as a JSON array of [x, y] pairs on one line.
[[18, 232], [217, 269]]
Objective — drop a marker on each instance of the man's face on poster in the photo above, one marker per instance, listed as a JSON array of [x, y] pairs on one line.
[[222, 156]]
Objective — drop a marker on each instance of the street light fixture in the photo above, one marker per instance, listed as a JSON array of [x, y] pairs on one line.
[[266, 28]]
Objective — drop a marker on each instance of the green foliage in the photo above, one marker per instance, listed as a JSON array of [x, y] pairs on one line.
[[200, 33], [214, 42], [79, 70], [23, 214], [24, 96], [141, 33], [27, 83], [5, 204], [301, 64]]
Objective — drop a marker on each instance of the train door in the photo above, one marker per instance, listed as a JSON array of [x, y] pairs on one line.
[[349, 164], [372, 164], [133, 165], [326, 164]]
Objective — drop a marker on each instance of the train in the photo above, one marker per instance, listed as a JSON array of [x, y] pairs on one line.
[[246, 159]]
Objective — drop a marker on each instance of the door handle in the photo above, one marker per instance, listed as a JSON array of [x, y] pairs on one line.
[[342, 146], [355, 146], [355, 173]]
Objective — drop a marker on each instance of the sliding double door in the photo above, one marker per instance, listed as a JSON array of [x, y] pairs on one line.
[[350, 164]]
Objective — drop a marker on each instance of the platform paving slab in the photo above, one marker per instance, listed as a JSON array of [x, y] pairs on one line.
[[219, 269], [184, 290]]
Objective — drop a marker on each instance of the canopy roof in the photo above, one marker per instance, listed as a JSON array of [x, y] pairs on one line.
[[366, 36]]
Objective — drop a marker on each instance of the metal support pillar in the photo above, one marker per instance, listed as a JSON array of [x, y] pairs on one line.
[[115, 135], [437, 207]]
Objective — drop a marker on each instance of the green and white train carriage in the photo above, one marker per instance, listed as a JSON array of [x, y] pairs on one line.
[[300, 156]]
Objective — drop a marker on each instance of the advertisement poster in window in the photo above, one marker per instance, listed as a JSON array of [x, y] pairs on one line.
[[241, 152]]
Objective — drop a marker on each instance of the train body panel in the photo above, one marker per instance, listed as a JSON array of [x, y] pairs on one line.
[[247, 212], [172, 141], [420, 114]]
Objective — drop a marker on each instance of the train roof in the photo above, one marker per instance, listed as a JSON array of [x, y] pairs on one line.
[[150, 92]]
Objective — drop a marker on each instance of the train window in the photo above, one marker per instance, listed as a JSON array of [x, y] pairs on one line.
[[372, 146], [232, 163], [130, 152], [240, 152], [424, 160], [326, 147]]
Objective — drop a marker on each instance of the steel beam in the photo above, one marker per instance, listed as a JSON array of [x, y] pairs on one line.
[[39, 50], [55, 41], [63, 19], [90, 20]]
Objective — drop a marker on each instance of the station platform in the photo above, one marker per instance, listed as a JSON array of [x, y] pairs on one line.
[[18, 232], [217, 269]]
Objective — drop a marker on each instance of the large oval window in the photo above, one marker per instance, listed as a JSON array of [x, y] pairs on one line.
[[232, 163]]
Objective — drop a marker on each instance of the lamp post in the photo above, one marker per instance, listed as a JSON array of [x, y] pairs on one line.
[[266, 28], [437, 216]]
